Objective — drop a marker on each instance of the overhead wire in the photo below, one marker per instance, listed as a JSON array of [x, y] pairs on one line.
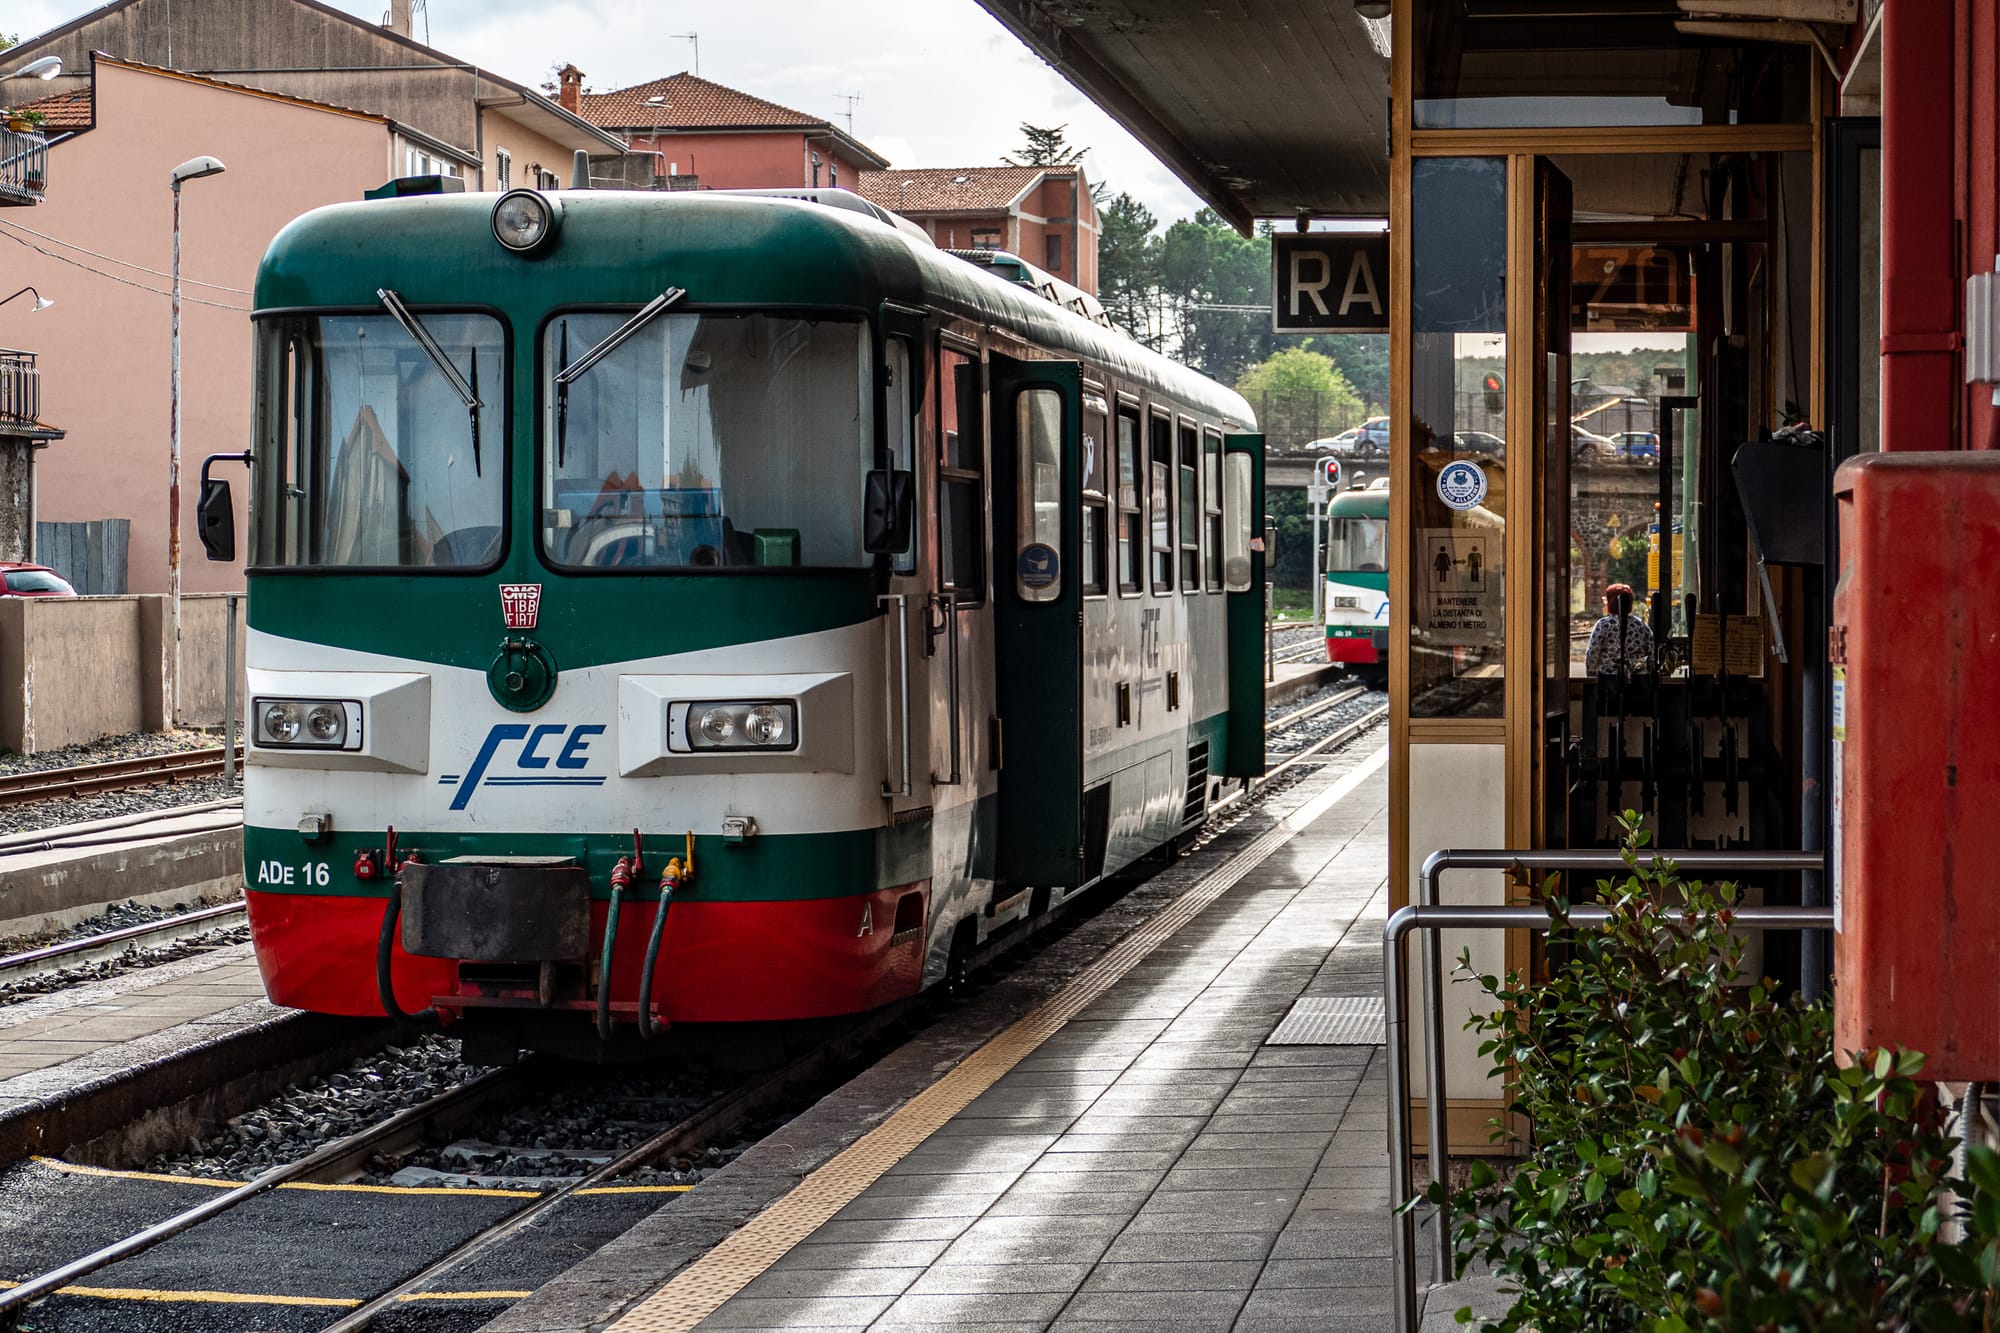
[[10, 224], [144, 287]]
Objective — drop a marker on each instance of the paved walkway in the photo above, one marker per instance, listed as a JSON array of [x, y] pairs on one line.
[[48, 1030], [1154, 1164]]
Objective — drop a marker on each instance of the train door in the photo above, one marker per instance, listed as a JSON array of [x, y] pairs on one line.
[[1038, 605], [913, 572]]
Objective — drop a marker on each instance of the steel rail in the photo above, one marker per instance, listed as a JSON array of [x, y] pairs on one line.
[[13, 1302], [1313, 710], [1430, 919], [720, 1115], [31, 960], [113, 775]]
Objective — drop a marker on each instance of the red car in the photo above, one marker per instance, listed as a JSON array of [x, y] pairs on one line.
[[32, 581]]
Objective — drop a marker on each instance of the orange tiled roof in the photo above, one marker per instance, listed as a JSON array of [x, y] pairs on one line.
[[947, 189], [685, 101], [63, 111]]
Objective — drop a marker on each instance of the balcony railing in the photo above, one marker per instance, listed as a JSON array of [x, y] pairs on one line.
[[20, 387], [24, 168]]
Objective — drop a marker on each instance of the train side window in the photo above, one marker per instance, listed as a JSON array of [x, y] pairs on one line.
[[1038, 425], [1238, 487], [1096, 501], [1190, 507], [1131, 511], [1211, 495], [900, 430], [961, 476], [1160, 450]]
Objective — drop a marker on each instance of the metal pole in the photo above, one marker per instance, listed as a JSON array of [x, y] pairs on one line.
[[1316, 497], [1395, 1000], [174, 488], [229, 602]]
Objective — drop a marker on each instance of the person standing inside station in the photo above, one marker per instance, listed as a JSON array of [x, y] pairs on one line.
[[1614, 654]]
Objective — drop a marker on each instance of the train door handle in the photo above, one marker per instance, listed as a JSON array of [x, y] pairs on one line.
[[898, 691], [944, 612]]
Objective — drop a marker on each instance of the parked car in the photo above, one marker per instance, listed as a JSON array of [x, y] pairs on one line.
[[1480, 442], [1375, 433], [1637, 444], [1584, 445], [20, 580], [1342, 444]]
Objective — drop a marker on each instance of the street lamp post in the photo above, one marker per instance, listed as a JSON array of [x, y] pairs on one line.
[[192, 169]]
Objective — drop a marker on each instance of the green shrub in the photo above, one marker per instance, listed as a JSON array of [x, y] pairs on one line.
[[1695, 1156]]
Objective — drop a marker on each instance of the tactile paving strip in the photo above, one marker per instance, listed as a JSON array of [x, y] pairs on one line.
[[1331, 1020], [700, 1289]]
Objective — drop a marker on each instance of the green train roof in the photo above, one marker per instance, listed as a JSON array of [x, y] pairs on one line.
[[1359, 504], [621, 248]]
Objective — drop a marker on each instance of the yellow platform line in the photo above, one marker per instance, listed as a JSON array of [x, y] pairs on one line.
[[202, 1297], [78, 1169], [701, 1288]]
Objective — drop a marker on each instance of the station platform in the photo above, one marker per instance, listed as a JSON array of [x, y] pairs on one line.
[[1144, 1149]]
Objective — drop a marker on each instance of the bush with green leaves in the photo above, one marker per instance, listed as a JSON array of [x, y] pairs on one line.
[[1694, 1156]]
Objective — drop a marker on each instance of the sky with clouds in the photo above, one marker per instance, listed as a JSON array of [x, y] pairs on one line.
[[941, 83]]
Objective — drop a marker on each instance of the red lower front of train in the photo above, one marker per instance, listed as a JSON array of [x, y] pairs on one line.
[[719, 962], [1352, 651]]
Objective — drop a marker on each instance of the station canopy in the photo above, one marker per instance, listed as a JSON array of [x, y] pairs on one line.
[[1271, 108]]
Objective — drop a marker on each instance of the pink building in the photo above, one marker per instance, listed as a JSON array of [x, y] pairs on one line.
[[100, 247], [705, 136], [1044, 215]]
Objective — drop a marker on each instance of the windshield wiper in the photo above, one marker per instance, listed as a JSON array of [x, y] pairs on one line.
[[571, 372], [421, 336]]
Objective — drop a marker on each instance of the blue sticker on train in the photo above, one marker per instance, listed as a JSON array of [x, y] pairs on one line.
[[532, 763], [1038, 566]]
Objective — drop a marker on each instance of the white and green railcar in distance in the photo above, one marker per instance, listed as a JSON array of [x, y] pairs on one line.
[[1357, 582], [670, 610]]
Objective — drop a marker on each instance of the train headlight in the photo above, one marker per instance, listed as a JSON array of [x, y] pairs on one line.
[[525, 220], [307, 724], [766, 725], [281, 723], [1347, 603]]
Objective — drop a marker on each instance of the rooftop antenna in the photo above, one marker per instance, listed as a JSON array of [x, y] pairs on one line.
[[850, 99], [694, 37]]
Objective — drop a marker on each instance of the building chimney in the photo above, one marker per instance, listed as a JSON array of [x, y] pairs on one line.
[[399, 17], [569, 88]]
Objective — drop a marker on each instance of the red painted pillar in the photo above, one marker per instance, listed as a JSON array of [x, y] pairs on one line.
[[1921, 377]]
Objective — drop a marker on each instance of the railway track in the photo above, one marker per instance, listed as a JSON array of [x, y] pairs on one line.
[[115, 775], [110, 943], [347, 1157]]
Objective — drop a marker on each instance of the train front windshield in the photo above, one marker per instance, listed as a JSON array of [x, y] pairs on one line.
[[1358, 544], [376, 459], [705, 441]]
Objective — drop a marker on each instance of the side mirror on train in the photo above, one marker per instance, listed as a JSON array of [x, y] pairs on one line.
[[215, 520], [888, 512], [214, 512], [1270, 542]]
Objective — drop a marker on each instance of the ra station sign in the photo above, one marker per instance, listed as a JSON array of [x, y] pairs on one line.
[[1330, 282]]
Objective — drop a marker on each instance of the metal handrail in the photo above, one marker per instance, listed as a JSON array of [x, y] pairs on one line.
[[1561, 859], [1429, 917]]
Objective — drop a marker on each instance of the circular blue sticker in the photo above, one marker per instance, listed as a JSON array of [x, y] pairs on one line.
[[1038, 565], [1462, 485]]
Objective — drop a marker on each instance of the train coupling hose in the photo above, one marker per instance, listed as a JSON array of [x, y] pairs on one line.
[[670, 880], [621, 879]]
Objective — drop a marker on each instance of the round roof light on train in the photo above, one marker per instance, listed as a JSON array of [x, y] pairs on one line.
[[525, 221]]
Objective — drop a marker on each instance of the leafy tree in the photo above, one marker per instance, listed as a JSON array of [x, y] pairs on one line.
[[1364, 359], [1044, 146], [1205, 264], [1299, 395], [1128, 267]]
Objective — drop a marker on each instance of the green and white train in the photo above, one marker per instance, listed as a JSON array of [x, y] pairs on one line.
[[1357, 581], [738, 555]]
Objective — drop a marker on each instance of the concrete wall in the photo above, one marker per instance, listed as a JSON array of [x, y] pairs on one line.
[[104, 346], [17, 497], [77, 669], [72, 669]]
